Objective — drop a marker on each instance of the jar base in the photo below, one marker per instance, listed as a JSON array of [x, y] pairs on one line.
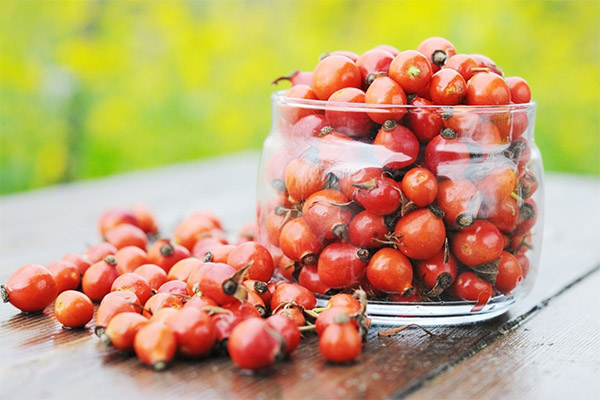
[[431, 314]]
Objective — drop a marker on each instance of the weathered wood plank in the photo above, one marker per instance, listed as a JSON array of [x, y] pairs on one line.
[[42, 225], [554, 355]]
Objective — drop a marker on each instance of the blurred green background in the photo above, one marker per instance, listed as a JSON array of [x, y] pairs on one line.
[[92, 88]]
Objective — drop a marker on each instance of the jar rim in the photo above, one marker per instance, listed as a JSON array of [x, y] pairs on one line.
[[279, 98]]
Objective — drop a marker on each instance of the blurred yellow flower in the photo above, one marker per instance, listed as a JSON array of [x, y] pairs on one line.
[[89, 88]]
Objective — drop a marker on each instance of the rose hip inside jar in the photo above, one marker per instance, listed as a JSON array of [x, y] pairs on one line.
[[435, 211]]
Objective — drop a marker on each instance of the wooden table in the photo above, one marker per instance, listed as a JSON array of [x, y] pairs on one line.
[[547, 346]]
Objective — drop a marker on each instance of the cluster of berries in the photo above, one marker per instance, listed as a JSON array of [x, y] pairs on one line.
[[405, 173], [192, 295]]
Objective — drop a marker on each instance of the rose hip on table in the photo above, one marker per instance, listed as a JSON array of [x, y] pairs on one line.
[[405, 177]]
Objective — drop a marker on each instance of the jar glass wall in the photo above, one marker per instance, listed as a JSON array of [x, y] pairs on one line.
[[436, 212]]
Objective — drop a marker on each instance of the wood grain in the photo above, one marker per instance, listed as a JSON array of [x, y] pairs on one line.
[[554, 355], [40, 359]]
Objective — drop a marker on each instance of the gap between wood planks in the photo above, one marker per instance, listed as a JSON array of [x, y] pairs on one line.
[[492, 337]]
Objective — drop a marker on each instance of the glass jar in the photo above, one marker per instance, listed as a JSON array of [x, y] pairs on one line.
[[435, 211]]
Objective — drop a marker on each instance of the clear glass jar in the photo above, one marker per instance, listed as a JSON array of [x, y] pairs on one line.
[[335, 188]]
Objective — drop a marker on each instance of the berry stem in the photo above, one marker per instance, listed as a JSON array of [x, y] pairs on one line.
[[516, 197], [261, 287], [111, 260], [159, 366], [307, 328], [208, 257], [414, 71], [389, 125], [439, 57], [4, 294], [167, 250], [285, 78]]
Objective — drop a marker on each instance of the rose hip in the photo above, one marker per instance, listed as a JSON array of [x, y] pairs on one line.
[[254, 345], [379, 196], [153, 274], [334, 73], [66, 275], [96, 253], [461, 123], [426, 123], [367, 230], [165, 254], [299, 242], [290, 292], [478, 244], [448, 87], [145, 218], [412, 70], [113, 217], [255, 255], [372, 62], [384, 91], [73, 309], [487, 88], [390, 271], [176, 287], [162, 300], [342, 265], [194, 331], [351, 122], [503, 214], [437, 273], [402, 144], [310, 279], [81, 263], [519, 89], [112, 304], [292, 114], [293, 313], [349, 181], [287, 329], [419, 186], [129, 258], [438, 50], [182, 269], [122, 329], [344, 300], [328, 214], [308, 127], [463, 64], [155, 344], [133, 283], [447, 157], [98, 279], [509, 273], [219, 254], [527, 217], [460, 201], [340, 342], [470, 287], [302, 178], [420, 234], [195, 227], [127, 235]]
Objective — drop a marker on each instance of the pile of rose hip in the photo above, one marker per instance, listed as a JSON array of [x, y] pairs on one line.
[[430, 201], [193, 295]]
